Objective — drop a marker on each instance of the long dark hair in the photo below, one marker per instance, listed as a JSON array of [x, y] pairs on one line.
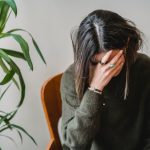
[[102, 30]]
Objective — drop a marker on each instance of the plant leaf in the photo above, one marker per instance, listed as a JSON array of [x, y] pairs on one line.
[[5, 69], [8, 77], [23, 44], [20, 135], [3, 129], [14, 53], [12, 4], [23, 130], [18, 72], [7, 117], [4, 22], [3, 14], [1, 96], [38, 50], [12, 114], [10, 138], [33, 40], [3, 112]]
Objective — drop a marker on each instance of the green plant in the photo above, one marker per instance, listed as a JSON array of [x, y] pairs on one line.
[[11, 69]]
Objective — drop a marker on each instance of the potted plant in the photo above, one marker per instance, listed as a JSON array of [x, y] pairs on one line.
[[11, 69]]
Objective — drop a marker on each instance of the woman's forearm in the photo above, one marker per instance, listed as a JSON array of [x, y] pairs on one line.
[[80, 129]]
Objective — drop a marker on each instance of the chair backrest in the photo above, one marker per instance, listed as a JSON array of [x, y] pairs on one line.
[[51, 100]]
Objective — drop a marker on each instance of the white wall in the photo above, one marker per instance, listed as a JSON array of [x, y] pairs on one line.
[[50, 21]]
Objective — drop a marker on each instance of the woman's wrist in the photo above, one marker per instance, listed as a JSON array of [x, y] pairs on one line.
[[96, 90], [93, 85]]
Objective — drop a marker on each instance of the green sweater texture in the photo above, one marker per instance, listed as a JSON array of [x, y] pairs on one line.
[[107, 121]]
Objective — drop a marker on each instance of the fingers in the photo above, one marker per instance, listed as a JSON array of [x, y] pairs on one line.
[[118, 69], [118, 65], [112, 73], [120, 60], [106, 57], [116, 57]]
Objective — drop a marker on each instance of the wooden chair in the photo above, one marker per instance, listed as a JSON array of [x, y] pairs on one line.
[[51, 100]]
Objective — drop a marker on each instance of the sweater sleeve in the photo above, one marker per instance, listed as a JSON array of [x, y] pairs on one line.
[[80, 120], [146, 131]]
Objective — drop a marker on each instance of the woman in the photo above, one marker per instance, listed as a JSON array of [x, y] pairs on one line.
[[106, 91]]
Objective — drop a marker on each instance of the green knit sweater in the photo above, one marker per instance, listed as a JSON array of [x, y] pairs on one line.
[[108, 122]]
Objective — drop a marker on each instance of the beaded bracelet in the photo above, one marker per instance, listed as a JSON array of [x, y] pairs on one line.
[[95, 90]]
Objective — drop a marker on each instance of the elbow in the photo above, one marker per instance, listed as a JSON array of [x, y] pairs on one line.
[[73, 140]]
